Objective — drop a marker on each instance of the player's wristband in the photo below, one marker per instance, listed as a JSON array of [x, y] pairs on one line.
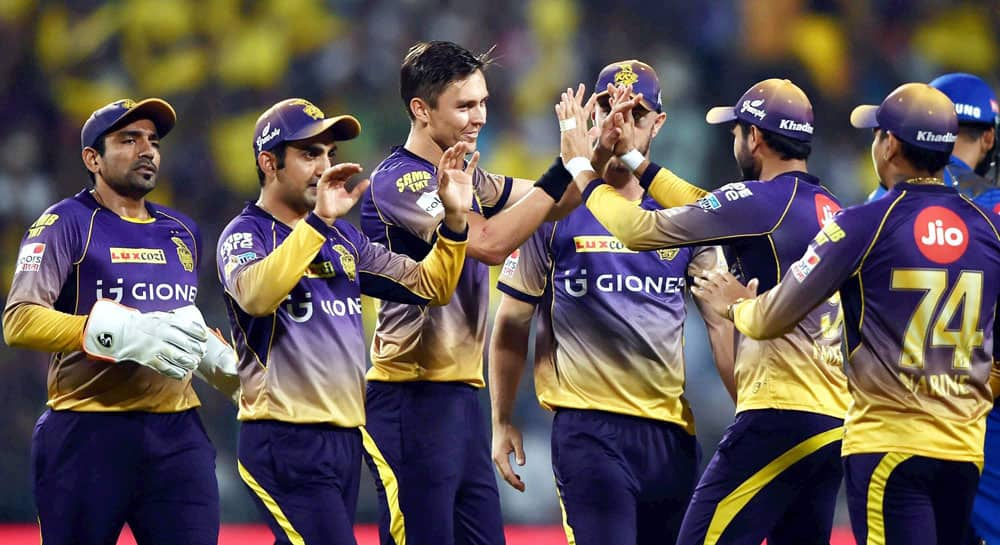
[[555, 180], [633, 159], [577, 165]]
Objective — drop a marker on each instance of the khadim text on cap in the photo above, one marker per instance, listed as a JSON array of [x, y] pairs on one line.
[[775, 105]]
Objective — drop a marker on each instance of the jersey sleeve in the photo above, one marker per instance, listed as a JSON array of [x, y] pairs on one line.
[[525, 273], [733, 211], [406, 197], [48, 253], [833, 256], [259, 279], [669, 189], [396, 277], [492, 190]]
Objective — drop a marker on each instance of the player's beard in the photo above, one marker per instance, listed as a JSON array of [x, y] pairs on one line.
[[749, 167], [132, 184], [983, 167]]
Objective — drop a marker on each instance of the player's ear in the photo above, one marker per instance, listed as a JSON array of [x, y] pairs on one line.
[[267, 163], [91, 159], [892, 148], [420, 109], [987, 140], [658, 122]]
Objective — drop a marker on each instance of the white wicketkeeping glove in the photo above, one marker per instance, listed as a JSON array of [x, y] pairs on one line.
[[170, 344], [218, 367]]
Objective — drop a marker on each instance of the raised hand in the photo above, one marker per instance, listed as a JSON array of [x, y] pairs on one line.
[[622, 103], [455, 185], [333, 199], [719, 289], [573, 115]]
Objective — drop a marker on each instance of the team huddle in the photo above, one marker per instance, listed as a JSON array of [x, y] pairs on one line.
[[597, 256]]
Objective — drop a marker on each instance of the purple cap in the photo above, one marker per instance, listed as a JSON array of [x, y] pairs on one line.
[[916, 113], [121, 112], [775, 105], [639, 75], [297, 119]]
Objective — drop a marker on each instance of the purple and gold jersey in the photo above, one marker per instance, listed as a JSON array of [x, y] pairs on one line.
[[77, 252], [610, 333], [765, 227], [402, 210], [917, 274], [302, 356]]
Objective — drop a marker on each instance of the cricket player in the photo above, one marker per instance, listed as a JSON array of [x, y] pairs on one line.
[[777, 470], [427, 447], [624, 451], [293, 273], [106, 281], [917, 274]]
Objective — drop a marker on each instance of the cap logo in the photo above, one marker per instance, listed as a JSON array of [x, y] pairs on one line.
[[625, 75], [266, 136], [754, 108], [930, 136], [968, 109], [127, 103], [309, 108], [789, 125], [994, 107]]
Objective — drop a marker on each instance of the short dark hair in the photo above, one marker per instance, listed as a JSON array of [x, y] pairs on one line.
[[974, 131], [923, 158], [279, 152], [99, 146], [429, 67], [787, 148]]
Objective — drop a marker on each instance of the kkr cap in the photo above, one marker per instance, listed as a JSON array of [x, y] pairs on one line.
[[121, 112], [639, 75], [916, 113], [775, 105], [297, 119]]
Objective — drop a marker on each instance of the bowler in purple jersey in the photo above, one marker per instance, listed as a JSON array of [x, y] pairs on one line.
[[293, 274], [916, 271], [776, 472], [624, 452], [427, 363], [98, 278]]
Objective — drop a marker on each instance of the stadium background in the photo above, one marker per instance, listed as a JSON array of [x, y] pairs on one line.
[[221, 62]]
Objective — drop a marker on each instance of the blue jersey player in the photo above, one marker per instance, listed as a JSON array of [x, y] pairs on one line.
[[917, 275]]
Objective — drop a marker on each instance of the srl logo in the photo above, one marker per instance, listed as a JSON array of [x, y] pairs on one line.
[[941, 235], [826, 208]]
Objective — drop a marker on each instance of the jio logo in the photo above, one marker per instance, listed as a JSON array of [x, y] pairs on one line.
[[826, 208], [941, 235]]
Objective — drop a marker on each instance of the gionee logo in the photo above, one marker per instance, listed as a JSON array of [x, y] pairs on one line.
[[138, 255], [940, 234]]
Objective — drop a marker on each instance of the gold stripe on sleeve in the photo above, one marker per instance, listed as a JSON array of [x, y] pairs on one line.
[[670, 190], [632, 225], [272, 506], [440, 270], [41, 328], [262, 286]]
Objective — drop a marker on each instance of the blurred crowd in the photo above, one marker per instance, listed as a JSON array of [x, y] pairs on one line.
[[222, 62]]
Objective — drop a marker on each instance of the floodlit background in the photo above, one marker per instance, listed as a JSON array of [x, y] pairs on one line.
[[222, 62]]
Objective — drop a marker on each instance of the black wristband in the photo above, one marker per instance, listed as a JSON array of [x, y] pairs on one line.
[[555, 180]]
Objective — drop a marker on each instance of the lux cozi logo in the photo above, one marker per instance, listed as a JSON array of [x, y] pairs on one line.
[[595, 243], [138, 255]]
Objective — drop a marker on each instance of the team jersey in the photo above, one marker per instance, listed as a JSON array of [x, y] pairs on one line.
[[77, 252], [961, 176], [610, 328], [765, 227], [401, 210], [302, 351], [917, 274]]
